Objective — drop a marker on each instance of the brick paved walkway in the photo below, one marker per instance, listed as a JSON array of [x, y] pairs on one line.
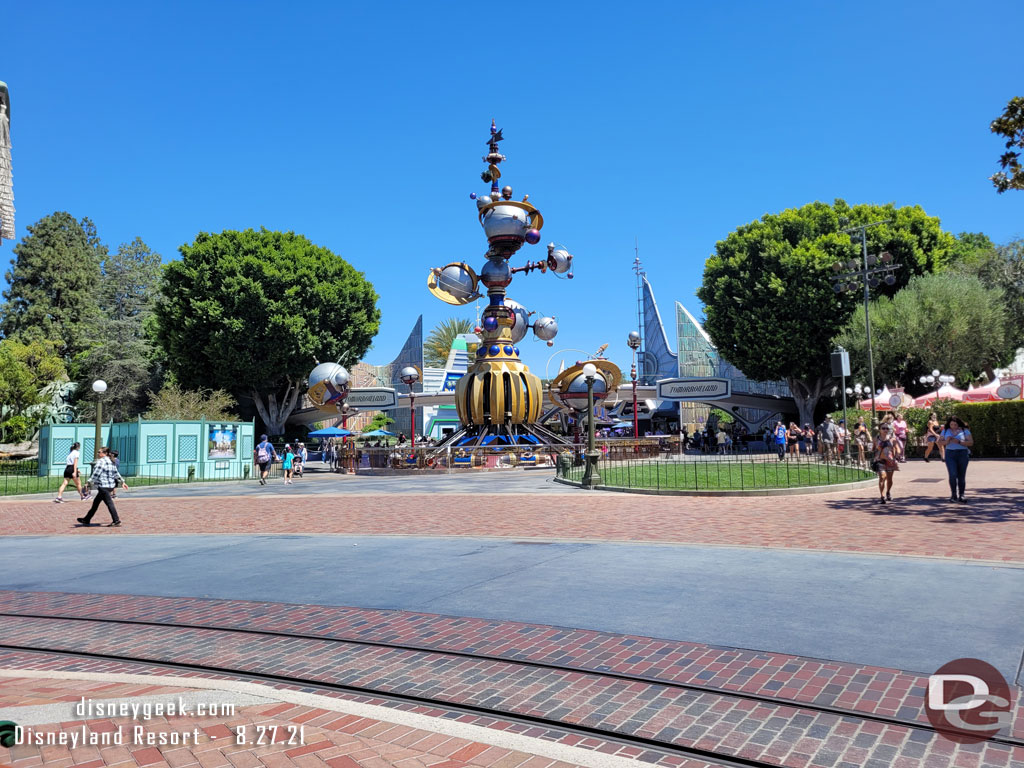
[[920, 522], [870, 690], [750, 728], [328, 737]]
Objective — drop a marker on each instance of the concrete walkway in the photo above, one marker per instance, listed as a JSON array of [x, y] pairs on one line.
[[908, 613]]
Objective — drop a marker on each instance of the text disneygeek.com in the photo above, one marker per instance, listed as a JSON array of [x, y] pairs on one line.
[[162, 735]]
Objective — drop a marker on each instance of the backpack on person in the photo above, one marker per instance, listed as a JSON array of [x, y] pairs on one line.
[[263, 453]]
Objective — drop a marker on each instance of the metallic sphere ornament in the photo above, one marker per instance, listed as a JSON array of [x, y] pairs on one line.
[[454, 283], [546, 328], [328, 383], [559, 259], [508, 221], [490, 323], [409, 375], [506, 192], [521, 322], [533, 236], [569, 388], [633, 340], [496, 274]]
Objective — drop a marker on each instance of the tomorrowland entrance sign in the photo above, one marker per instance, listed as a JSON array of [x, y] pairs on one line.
[[697, 389], [372, 398]]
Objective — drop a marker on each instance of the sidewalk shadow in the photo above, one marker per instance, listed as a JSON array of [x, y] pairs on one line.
[[985, 505]]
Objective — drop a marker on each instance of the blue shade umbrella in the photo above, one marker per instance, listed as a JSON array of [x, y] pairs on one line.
[[330, 432], [378, 433]]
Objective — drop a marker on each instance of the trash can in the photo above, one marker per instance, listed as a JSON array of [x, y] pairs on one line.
[[564, 462]]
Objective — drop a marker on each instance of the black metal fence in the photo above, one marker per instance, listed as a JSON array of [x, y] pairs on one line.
[[722, 472], [643, 464], [22, 477]]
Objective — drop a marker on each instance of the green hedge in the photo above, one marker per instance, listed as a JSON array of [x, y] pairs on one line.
[[998, 428]]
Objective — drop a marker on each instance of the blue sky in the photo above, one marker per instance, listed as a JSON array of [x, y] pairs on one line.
[[362, 126]]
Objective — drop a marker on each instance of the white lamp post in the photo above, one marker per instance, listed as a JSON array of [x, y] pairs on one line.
[[99, 387]]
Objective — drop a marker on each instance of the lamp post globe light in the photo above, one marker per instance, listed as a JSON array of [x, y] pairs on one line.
[[633, 340], [410, 376], [99, 387], [590, 473]]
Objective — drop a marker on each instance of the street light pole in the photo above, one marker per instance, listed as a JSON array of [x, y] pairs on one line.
[[867, 325], [410, 376], [590, 473], [99, 387], [868, 275], [634, 344]]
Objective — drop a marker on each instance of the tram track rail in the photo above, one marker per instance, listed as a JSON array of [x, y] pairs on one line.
[[605, 734]]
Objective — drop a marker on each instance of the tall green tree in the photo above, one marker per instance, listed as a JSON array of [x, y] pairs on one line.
[[439, 342], [1010, 125], [250, 312], [948, 321], [380, 420], [53, 284], [26, 368], [970, 249], [122, 355], [1002, 268], [172, 403], [769, 302]]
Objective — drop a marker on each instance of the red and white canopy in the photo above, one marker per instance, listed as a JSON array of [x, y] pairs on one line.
[[1006, 388], [884, 401], [945, 392]]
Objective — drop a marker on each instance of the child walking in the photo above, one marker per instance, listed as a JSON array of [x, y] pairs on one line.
[[289, 459]]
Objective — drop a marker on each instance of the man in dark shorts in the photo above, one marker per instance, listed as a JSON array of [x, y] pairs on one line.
[[264, 456]]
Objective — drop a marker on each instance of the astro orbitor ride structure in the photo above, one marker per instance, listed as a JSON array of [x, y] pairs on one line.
[[498, 400]]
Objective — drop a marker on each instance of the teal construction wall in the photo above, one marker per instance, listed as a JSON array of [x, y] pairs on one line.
[[150, 448]]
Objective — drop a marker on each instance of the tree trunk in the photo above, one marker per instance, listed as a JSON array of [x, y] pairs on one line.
[[806, 395], [275, 414]]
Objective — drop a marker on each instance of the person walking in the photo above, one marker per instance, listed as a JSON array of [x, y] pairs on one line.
[[957, 439], [264, 455], [932, 432], [793, 438], [780, 439], [827, 434], [861, 435], [885, 463], [114, 458], [299, 461], [807, 440], [721, 438], [899, 430], [286, 465], [71, 474], [842, 436], [105, 479]]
